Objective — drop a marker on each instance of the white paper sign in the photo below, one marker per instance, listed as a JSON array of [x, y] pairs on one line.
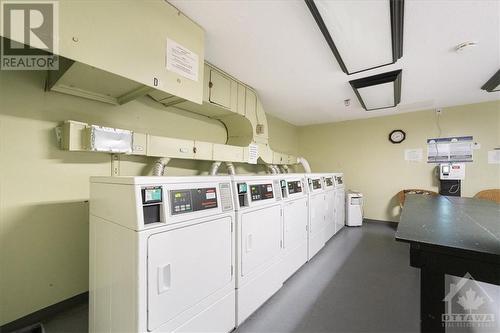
[[414, 155], [253, 153], [494, 157], [181, 60]]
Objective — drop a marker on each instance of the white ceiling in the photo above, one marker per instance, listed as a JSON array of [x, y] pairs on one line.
[[276, 47]]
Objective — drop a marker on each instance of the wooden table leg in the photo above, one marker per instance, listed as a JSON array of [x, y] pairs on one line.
[[432, 291]]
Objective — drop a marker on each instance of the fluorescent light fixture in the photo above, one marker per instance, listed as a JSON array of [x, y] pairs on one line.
[[379, 91], [361, 34], [493, 83]]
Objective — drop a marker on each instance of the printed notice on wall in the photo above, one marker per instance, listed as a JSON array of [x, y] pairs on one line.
[[453, 149], [414, 155], [181, 60], [253, 153], [494, 156]]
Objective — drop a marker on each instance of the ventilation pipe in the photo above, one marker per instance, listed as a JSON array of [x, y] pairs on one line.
[[230, 168], [302, 161], [271, 169], [278, 171], [284, 168], [214, 167], [159, 166]]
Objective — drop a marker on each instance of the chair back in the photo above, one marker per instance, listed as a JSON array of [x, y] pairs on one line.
[[492, 195], [402, 194]]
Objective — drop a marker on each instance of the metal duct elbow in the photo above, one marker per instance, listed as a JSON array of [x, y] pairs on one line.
[[231, 170], [278, 171], [214, 168], [159, 166], [284, 168], [302, 161]]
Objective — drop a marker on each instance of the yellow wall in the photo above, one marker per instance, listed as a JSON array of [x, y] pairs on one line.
[[376, 167], [43, 190], [283, 136]]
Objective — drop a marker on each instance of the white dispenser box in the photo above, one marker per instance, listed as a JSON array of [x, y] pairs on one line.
[[354, 209]]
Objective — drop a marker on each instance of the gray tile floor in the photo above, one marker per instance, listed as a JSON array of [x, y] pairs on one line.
[[360, 282]]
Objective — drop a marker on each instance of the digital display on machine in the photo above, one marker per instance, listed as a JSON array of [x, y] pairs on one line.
[[328, 181], [192, 200], [316, 184], [261, 192], [242, 188], [294, 187], [151, 194]]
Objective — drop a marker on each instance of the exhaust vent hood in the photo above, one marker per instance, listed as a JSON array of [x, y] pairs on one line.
[[116, 51]]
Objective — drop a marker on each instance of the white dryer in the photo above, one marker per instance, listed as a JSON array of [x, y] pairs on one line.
[[258, 241], [328, 180], [339, 201], [162, 253], [317, 214], [295, 218]]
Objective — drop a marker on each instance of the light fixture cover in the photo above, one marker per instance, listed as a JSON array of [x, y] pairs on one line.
[[493, 83], [361, 34], [379, 91], [112, 140]]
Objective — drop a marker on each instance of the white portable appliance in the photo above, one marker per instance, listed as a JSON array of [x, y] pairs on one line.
[[329, 183], [162, 252], [295, 217], [258, 241], [354, 209], [339, 201], [317, 214]]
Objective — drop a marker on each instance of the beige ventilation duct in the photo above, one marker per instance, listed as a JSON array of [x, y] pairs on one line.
[[90, 69], [237, 106], [304, 164]]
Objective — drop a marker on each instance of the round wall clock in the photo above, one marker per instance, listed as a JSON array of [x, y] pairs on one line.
[[397, 136]]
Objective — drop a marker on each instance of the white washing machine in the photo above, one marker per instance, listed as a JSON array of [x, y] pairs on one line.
[[317, 214], [295, 218], [258, 241], [339, 201], [329, 184], [162, 254]]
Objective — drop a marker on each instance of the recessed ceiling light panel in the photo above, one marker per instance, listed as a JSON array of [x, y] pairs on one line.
[[379, 91], [361, 34], [493, 83]]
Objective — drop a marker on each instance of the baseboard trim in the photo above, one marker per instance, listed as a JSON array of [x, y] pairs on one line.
[[45, 313], [392, 223]]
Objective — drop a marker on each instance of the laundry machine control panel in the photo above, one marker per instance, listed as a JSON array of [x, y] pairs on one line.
[[339, 180], [294, 186], [328, 181], [141, 203], [315, 184], [261, 192], [192, 200], [255, 192]]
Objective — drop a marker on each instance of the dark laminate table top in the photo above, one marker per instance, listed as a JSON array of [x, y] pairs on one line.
[[452, 222]]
